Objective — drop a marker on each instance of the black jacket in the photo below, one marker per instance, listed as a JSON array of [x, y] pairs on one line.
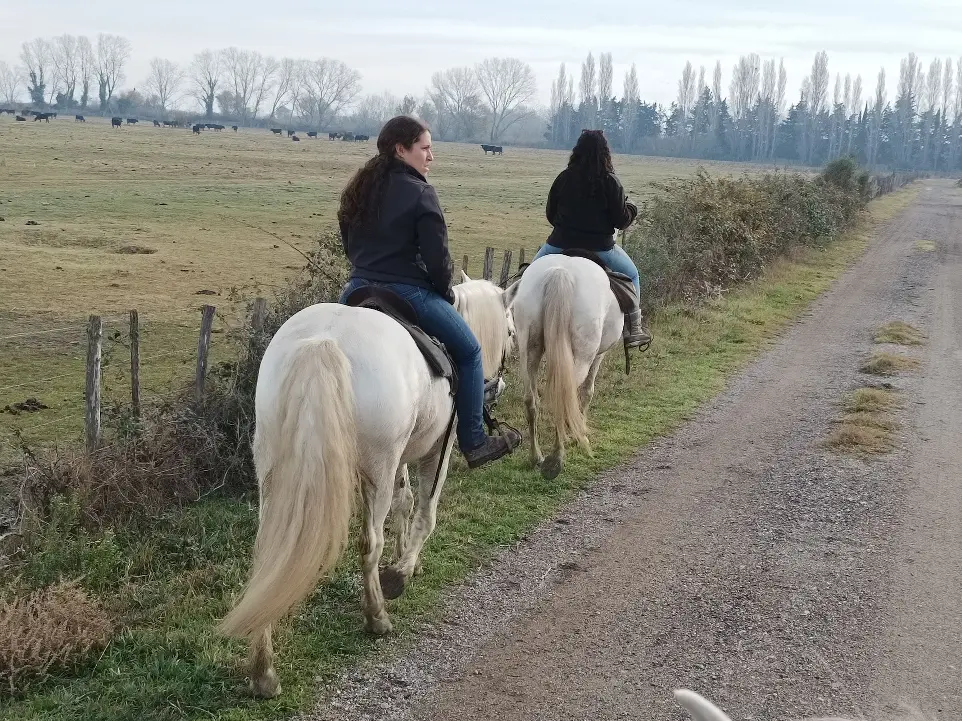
[[407, 241], [583, 219]]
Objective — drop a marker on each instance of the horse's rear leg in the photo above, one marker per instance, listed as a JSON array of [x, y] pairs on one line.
[[425, 518], [264, 681], [377, 490], [401, 509], [531, 361], [587, 391]]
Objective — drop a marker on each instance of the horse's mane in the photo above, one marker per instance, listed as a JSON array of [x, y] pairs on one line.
[[480, 303]]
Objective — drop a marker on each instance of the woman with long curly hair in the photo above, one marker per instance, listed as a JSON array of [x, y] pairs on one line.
[[586, 205], [395, 236]]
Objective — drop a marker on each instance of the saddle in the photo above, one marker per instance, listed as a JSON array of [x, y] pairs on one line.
[[621, 284], [394, 306]]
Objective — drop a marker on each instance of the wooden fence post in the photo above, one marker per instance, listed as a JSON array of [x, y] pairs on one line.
[[464, 263], [521, 257], [135, 364], [505, 268], [259, 315], [95, 337], [488, 264], [203, 347]]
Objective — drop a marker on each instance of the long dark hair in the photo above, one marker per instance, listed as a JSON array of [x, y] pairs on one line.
[[360, 197], [591, 158]]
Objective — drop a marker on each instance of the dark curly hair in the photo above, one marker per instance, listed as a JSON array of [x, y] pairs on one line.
[[360, 198], [591, 158]]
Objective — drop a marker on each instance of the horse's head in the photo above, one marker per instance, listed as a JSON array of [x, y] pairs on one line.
[[482, 305]]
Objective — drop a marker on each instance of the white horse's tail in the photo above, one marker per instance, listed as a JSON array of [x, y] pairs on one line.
[[561, 390], [309, 451]]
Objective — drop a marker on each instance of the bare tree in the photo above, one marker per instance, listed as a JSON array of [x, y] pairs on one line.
[[586, 89], [242, 69], [946, 99], [329, 86], [164, 80], [875, 125], [686, 94], [288, 76], [766, 112], [113, 52], [457, 93], [743, 94], [606, 77], [66, 65], [265, 82], [507, 83], [957, 115], [819, 83], [629, 115], [205, 75], [87, 67], [855, 111], [700, 88], [37, 58], [562, 93], [716, 90], [9, 83], [933, 86]]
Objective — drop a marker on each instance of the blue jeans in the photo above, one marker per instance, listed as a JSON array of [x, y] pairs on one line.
[[438, 318], [616, 259]]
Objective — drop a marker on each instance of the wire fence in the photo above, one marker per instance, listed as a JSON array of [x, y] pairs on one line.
[[110, 368]]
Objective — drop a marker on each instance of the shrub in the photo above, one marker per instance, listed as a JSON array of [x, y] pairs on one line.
[[49, 627]]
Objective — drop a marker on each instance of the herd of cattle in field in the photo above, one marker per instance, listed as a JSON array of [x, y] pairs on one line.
[[196, 128]]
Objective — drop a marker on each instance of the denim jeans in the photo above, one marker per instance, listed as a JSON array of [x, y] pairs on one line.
[[616, 259], [438, 318]]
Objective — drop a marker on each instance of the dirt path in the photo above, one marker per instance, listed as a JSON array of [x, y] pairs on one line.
[[738, 558]]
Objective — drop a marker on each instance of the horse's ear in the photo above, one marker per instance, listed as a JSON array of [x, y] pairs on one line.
[[509, 293], [464, 277], [701, 709]]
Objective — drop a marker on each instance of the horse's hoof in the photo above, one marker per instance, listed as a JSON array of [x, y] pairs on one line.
[[392, 582], [267, 686], [551, 468], [536, 461], [379, 626]]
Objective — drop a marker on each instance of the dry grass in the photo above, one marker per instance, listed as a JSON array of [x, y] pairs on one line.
[[887, 364], [870, 400], [862, 434], [49, 627], [899, 333], [926, 246]]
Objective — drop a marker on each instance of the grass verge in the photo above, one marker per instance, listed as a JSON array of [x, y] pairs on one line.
[[169, 582]]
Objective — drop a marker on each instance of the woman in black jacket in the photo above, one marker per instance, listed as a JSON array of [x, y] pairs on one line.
[[586, 204], [394, 234]]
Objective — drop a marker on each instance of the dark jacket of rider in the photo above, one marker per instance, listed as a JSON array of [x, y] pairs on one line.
[[408, 240], [585, 215]]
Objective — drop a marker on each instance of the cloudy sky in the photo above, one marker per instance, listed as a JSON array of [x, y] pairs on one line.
[[396, 46]]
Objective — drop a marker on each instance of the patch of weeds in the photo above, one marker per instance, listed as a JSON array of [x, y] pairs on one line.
[[887, 364], [899, 333], [870, 400], [926, 246], [854, 437], [50, 627]]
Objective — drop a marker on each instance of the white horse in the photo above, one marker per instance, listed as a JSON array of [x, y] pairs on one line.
[[345, 400], [701, 709], [563, 310]]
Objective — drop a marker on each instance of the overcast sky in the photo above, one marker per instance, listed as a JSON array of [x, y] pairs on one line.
[[396, 46]]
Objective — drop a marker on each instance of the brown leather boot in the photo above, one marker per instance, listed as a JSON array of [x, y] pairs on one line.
[[636, 335], [493, 448]]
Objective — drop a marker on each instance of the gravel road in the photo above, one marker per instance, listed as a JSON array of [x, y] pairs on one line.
[[738, 557]]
